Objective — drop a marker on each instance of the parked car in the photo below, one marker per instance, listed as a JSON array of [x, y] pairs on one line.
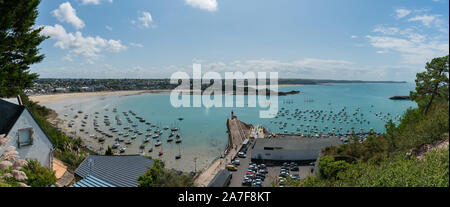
[[242, 155], [231, 167], [262, 171], [285, 168], [237, 162], [284, 174], [256, 184], [247, 181], [281, 182], [295, 176], [294, 168]]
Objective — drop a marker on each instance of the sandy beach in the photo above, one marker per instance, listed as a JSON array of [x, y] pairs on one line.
[[51, 98]]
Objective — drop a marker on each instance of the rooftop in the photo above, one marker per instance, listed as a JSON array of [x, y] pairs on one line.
[[120, 171], [221, 179], [296, 143], [9, 113], [92, 181]]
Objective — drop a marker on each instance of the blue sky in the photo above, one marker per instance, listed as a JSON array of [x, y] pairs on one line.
[[345, 39]]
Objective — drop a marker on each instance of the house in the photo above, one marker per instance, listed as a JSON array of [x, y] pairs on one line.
[[222, 179], [111, 171], [27, 135]]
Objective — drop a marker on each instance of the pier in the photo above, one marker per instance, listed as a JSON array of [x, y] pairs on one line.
[[238, 131]]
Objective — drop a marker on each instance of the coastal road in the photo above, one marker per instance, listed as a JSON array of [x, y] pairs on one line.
[[238, 133]]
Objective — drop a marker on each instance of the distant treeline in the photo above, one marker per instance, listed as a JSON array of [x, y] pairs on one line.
[[52, 85], [324, 81]]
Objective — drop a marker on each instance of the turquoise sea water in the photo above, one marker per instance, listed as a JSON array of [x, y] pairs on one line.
[[204, 129]]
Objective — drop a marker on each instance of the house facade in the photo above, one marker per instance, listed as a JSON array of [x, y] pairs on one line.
[[27, 136]]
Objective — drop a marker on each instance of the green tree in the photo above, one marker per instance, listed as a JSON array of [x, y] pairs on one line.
[[19, 42], [390, 129], [109, 151], [38, 175], [158, 176], [432, 84], [329, 168]]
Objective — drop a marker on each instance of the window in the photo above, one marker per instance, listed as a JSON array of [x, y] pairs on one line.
[[25, 137]]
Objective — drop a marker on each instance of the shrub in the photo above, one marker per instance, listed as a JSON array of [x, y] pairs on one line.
[[158, 176], [38, 176]]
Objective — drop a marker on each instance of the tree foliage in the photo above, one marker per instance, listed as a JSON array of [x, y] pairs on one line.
[[158, 176], [109, 151], [382, 161], [38, 175], [432, 84], [19, 41]]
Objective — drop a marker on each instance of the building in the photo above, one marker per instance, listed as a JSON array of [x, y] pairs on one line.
[[222, 179], [27, 135], [111, 171], [290, 148]]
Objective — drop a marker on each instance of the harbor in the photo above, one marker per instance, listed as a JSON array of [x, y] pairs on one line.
[[191, 139]]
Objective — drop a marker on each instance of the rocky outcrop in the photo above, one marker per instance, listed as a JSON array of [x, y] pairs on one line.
[[423, 149], [400, 98]]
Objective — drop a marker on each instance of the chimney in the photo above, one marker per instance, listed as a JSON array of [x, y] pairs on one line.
[[19, 100]]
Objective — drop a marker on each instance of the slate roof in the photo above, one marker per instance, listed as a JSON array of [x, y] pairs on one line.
[[9, 113], [92, 181], [221, 179], [296, 143], [120, 171]]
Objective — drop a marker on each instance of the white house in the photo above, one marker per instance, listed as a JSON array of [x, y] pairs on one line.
[[27, 136]]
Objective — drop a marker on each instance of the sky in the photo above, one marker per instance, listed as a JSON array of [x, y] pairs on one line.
[[320, 39]]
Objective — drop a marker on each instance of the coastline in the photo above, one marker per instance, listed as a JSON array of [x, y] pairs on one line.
[[52, 98]]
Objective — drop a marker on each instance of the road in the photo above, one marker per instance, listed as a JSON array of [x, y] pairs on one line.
[[239, 133]]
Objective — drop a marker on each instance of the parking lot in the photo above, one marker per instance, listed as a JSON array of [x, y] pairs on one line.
[[272, 172]]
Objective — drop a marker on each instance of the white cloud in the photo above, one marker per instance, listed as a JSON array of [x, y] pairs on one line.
[[115, 46], [209, 5], [145, 20], [400, 13], [65, 13], [108, 27], [354, 37], [302, 68], [426, 20], [78, 45], [136, 44], [94, 2], [386, 30], [415, 45], [413, 48]]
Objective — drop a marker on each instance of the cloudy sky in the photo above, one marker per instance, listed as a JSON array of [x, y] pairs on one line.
[[345, 39]]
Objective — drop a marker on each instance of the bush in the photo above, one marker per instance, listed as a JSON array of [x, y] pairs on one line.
[[38, 176], [329, 168], [158, 176]]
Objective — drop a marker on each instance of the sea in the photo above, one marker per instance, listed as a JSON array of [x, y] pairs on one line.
[[317, 109]]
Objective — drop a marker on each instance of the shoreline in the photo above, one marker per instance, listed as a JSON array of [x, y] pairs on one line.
[[57, 97], [52, 98]]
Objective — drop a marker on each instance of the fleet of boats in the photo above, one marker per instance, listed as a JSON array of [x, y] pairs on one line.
[[103, 130]]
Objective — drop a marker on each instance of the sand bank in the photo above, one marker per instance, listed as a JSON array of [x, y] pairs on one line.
[[47, 99]]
